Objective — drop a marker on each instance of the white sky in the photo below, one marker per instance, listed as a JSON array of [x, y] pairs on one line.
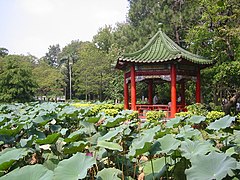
[[31, 26]]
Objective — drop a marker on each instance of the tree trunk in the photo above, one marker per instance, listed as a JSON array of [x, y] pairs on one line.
[[231, 103]]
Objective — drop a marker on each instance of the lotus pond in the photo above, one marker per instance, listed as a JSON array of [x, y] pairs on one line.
[[65, 142]]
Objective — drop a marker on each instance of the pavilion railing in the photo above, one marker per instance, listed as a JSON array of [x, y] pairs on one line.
[[143, 108]]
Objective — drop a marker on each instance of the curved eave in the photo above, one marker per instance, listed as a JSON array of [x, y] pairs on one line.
[[161, 49]]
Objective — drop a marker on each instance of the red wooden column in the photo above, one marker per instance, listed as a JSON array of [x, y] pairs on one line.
[[198, 87], [173, 91], [150, 92], [183, 99], [126, 104], [133, 88]]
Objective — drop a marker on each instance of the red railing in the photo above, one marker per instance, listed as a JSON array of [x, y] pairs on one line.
[[143, 108]]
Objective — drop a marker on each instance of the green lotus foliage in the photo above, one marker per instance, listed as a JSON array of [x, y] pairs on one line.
[[195, 119], [156, 168], [110, 145], [65, 142], [168, 144], [174, 122], [109, 173], [75, 167], [50, 139], [212, 166], [10, 155], [189, 148], [35, 172], [222, 123]]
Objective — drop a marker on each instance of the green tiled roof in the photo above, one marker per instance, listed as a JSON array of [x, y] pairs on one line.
[[162, 49]]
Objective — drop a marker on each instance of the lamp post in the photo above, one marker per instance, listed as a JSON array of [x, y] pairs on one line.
[[70, 81]]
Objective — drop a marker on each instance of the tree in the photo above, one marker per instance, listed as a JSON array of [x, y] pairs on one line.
[[176, 17], [91, 72], [104, 39], [67, 58], [52, 56], [50, 81], [16, 80], [217, 37], [3, 52]]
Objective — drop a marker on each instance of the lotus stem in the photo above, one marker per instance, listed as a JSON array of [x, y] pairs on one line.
[[152, 169]]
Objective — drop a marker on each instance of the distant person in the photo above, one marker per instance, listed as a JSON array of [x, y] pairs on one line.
[[238, 107], [155, 99], [179, 99]]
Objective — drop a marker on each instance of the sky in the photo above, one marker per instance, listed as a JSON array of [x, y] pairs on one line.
[[31, 26]]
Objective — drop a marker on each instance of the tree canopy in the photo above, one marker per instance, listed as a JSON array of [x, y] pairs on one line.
[[16, 80], [205, 27]]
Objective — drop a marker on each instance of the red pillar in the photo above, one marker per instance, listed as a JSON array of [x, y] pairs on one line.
[[183, 99], [150, 92], [126, 104], [198, 87], [173, 91], [133, 88]]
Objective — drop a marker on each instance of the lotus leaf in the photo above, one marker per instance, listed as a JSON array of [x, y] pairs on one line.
[[111, 134], [188, 132], [75, 147], [110, 145], [222, 123], [11, 132], [50, 139], [159, 167], [195, 119], [10, 155], [93, 119], [113, 122], [190, 148], [212, 166], [174, 121], [109, 173], [168, 143], [73, 168], [142, 143], [34, 172]]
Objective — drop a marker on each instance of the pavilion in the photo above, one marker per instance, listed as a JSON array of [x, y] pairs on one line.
[[161, 60]]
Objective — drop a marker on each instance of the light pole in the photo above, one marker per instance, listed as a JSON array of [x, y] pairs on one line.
[[70, 81]]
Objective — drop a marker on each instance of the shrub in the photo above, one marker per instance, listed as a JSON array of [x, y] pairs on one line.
[[110, 112], [214, 115], [197, 109], [184, 114], [133, 115], [155, 115]]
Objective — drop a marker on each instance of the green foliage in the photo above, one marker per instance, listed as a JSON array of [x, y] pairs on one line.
[[214, 115], [65, 142], [33, 172], [49, 80], [52, 56], [212, 166], [109, 173], [3, 52], [216, 36], [75, 167], [16, 80], [155, 115], [197, 109]]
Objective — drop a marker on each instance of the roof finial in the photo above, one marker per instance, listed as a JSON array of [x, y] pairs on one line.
[[160, 26]]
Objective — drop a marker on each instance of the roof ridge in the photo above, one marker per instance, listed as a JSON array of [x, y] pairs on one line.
[[150, 42]]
